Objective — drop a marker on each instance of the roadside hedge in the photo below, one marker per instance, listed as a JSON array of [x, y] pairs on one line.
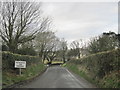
[[101, 63], [101, 69], [8, 60]]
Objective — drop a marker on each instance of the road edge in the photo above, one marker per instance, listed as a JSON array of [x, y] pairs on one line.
[[80, 77]]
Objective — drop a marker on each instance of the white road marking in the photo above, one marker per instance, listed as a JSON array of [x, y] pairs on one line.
[[75, 78]]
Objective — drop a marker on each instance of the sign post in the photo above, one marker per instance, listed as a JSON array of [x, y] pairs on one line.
[[20, 71], [20, 65]]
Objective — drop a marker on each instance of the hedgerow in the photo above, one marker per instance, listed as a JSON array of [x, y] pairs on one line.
[[101, 63], [8, 60], [102, 68]]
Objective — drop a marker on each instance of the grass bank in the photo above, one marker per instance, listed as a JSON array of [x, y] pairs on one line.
[[11, 77], [101, 69], [81, 71]]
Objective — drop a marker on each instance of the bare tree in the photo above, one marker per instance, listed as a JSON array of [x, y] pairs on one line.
[[20, 22], [46, 44], [55, 50], [77, 45], [63, 49]]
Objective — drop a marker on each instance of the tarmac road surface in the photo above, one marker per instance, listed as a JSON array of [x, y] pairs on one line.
[[58, 77]]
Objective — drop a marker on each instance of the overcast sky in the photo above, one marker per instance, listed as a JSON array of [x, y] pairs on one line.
[[82, 20]]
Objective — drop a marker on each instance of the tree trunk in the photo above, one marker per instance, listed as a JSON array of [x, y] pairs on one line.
[[12, 47]]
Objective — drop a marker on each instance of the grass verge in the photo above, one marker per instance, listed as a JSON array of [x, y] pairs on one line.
[[11, 77], [81, 71], [109, 81]]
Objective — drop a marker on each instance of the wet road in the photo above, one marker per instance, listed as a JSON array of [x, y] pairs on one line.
[[58, 77]]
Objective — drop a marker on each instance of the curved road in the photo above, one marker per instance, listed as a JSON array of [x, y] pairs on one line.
[[58, 77]]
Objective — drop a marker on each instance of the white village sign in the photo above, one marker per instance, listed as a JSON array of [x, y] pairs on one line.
[[20, 64]]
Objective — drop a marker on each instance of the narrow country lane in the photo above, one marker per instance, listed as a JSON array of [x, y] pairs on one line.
[[58, 77]]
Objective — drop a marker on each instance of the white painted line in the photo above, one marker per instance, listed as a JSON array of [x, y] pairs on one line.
[[75, 78]]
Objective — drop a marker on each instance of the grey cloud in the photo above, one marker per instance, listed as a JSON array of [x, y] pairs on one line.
[[82, 20]]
